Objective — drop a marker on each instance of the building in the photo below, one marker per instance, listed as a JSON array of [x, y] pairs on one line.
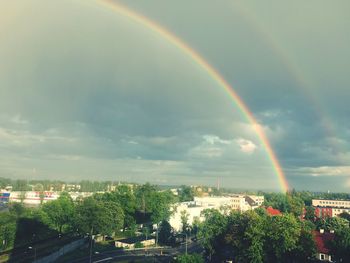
[[194, 209], [33, 197], [322, 239], [131, 242], [331, 208], [331, 203], [322, 212], [273, 212]]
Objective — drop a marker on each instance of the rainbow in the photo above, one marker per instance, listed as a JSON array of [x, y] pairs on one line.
[[211, 71], [302, 82]]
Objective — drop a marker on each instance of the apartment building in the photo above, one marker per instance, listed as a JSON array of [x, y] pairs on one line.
[[194, 209], [330, 208]]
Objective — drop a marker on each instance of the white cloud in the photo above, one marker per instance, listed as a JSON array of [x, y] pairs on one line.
[[326, 171], [246, 146], [17, 119], [213, 139], [22, 138]]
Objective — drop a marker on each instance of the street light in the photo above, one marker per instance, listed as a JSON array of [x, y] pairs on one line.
[[34, 252]]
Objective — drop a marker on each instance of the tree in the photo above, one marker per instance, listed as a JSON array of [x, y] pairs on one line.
[[184, 221], [159, 205], [310, 213], [345, 216], [7, 230], [189, 258], [127, 201], [165, 233], [38, 187], [340, 246], [282, 234], [99, 217], [278, 201], [212, 231], [17, 209], [306, 247], [246, 235], [331, 223], [143, 196], [186, 193], [60, 212], [195, 225], [296, 205]]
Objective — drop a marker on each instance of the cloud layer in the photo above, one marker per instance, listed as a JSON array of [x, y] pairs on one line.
[[92, 94]]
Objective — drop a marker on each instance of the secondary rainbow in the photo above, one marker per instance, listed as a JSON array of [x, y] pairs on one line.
[[199, 60]]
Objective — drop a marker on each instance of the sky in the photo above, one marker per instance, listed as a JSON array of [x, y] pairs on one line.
[[88, 93]]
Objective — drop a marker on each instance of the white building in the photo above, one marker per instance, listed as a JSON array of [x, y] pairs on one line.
[[33, 197], [334, 207], [331, 203], [235, 202]]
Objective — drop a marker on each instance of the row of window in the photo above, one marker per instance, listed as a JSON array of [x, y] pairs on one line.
[[334, 203]]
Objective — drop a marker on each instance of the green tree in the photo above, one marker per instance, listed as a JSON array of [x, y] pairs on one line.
[[212, 231], [184, 220], [7, 230], [99, 217], [340, 246], [186, 193], [306, 247], [246, 235], [283, 233], [310, 213], [127, 200], [332, 223], [159, 205], [17, 209], [165, 233], [189, 258], [296, 205], [60, 212], [345, 216], [195, 225]]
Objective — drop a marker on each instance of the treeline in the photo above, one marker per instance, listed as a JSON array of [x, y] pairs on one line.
[[294, 201], [105, 214], [56, 185], [255, 236]]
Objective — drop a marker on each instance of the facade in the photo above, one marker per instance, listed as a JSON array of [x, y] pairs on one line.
[[33, 197], [194, 209], [322, 212], [331, 203], [331, 208], [37, 197]]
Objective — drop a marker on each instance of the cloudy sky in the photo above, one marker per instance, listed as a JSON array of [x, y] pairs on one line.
[[87, 93]]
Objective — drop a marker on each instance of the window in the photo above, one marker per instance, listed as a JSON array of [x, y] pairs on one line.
[[322, 257]]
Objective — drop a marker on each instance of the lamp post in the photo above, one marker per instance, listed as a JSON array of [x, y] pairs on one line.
[[34, 252]]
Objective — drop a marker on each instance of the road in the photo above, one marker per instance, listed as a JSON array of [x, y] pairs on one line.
[[156, 254]]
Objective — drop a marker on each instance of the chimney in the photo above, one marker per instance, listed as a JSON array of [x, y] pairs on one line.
[[321, 231]]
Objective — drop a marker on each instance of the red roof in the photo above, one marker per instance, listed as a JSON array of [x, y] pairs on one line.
[[322, 240], [273, 212]]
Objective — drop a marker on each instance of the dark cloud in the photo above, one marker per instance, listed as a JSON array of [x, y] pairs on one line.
[[92, 94]]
